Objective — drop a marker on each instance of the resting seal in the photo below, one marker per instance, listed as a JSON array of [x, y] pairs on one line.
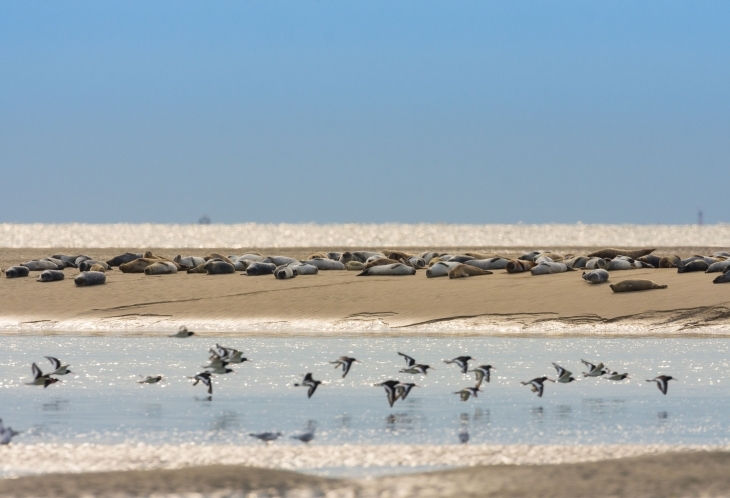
[[696, 265], [138, 265], [719, 266], [216, 267], [595, 263], [97, 267], [611, 253], [161, 268], [396, 269], [50, 276], [123, 258], [16, 271], [519, 265], [284, 272], [86, 265], [188, 262], [322, 263], [354, 266], [255, 269], [670, 262], [441, 269], [279, 260], [343, 258], [651, 259], [721, 279], [90, 278], [464, 270], [576, 262], [303, 268], [379, 262], [595, 276], [71, 260], [548, 268], [635, 285], [489, 264], [40, 265]]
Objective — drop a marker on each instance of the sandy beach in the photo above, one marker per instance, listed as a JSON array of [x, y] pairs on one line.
[[339, 301]]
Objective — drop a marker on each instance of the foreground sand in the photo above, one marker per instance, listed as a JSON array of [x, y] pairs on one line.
[[339, 301], [672, 474]]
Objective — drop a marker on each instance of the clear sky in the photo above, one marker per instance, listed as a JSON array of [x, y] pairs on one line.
[[348, 111]]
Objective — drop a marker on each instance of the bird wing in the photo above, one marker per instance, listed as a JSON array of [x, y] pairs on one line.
[[561, 371], [54, 361], [540, 388], [391, 395], [590, 366], [464, 395], [312, 388], [346, 368], [37, 374], [409, 361], [662, 384], [307, 378]]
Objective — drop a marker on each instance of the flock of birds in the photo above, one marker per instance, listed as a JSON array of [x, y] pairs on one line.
[[222, 358]]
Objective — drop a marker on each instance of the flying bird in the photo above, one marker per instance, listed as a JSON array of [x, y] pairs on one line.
[[310, 383]]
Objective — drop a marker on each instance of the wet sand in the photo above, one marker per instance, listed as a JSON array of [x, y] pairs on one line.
[[670, 474], [339, 301]]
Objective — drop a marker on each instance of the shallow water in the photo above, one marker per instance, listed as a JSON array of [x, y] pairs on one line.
[[102, 403]]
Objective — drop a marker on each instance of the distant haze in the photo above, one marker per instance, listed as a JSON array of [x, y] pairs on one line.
[[366, 112]]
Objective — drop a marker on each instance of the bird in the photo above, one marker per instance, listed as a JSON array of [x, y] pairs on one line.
[[409, 361], [236, 357], [220, 369], [57, 367], [203, 377], [304, 437], [564, 376], [462, 362], [150, 379], [39, 379], [468, 391], [402, 389], [390, 390], [482, 373], [345, 362], [615, 376], [537, 385], [463, 435], [230, 355], [417, 369], [266, 437], [593, 370], [182, 332], [309, 382], [662, 382]]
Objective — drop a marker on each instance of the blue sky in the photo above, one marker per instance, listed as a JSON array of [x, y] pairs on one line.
[[463, 112]]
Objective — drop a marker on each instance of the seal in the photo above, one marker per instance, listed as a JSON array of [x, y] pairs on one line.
[[619, 264], [519, 265], [496, 263], [718, 267], [123, 258], [428, 256], [651, 259], [322, 263], [16, 272], [188, 262], [97, 267], [241, 264], [252, 256], [696, 265], [396, 269], [138, 265], [40, 265], [670, 262], [343, 258], [465, 270], [611, 253], [216, 267], [60, 263], [161, 268], [198, 269], [215, 255], [88, 278], [304, 269], [636, 285], [354, 266], [284, 272], [543, 259], [81, 258], [457, 258], [548, 268], [86, 265], [722, 279], [362, 256], [530, 256], [441, 269], [379, 262], [70, 260], [416, 262], [279, 260], [51, 276], [595, 263], [576, 262], [553, 256], [595, 276], [259, 268]]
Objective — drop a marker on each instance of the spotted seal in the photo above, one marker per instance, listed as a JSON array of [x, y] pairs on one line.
[[89, 278], [595, 276], [636, 285], [16, 272], [721, 279], [161, 268], [696, 265], [40, 265], [441, 269], [260, 268], [354, 266], [718, 267], [51, 276]]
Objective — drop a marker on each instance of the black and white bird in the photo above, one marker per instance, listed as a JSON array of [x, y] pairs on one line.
[[230, 355], [203, 377], [409, 361], [345, 362], [390, 390], [615, 376], [483, 373], [220, 369], [402, 389], [593, 370], [417, 369], [310, 383], [58, 369], [468, 391], [662, 382], [39, 379], [182, 332], [150, 379], [537, 385], [266, 437], [304, 437], [564, 376], [462, 362]]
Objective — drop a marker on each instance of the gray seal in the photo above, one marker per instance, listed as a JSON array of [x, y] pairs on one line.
[[396, 269], [718, 267], [215, 267], [40, 265], [123, 258], [81, 258], [161, 268], [86, 265], [611, 253], [71, 260], [636, 285], [595, 276], [280, 260], [284, 272], [323, 264], [722, 279], [88, 278], [441, 269], [489, 264], [519, 265], [465, 270], [304, 269], [696, 265], [50, 276], [548, 268], [16, 272], [255, 269]]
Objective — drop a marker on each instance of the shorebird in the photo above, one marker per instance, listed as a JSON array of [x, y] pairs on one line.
[[417, 369], [409, 361], [182, 332], [402, 389], [593, 370], [220, 369], [615, 376], [564, 376], [468, 391], [463, 435], [150, 379], [57, 367], [309, 382], [537, 385], [39, 379], [203, 377], [390, 390], [662, 382], [462, 362], [266, 437], [304, 437], [345, 362], [482, 373]]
